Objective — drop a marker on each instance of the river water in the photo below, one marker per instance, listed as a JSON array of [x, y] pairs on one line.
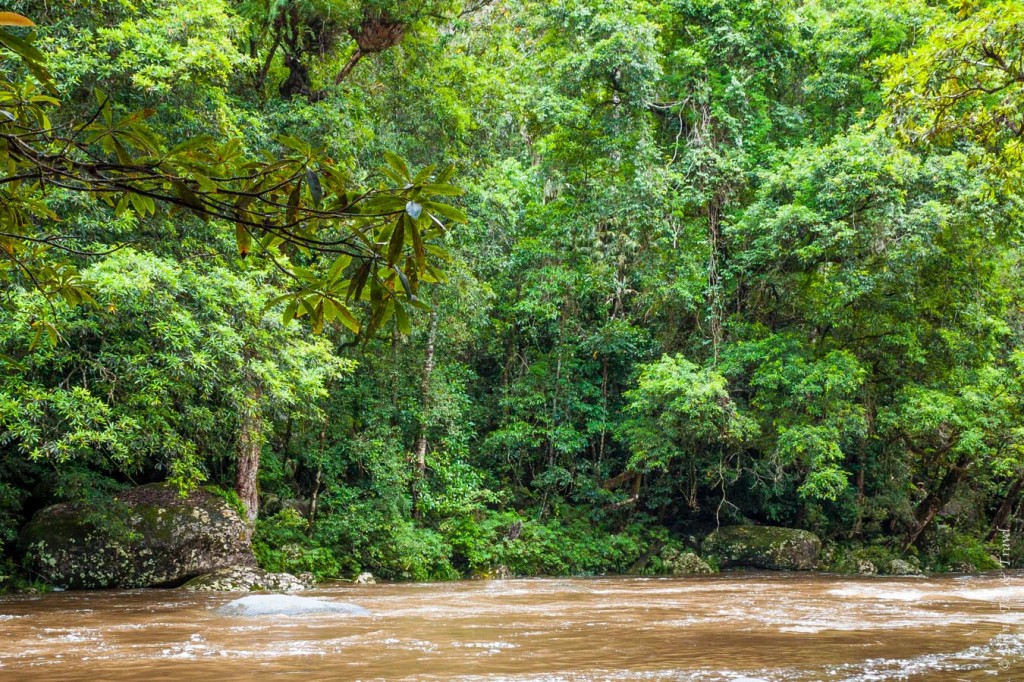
[[736, 627]]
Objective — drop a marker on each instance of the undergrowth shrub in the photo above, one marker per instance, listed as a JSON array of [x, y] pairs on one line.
[[281, 544]]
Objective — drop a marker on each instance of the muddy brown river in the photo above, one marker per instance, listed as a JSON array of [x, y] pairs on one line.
[[735, 627]]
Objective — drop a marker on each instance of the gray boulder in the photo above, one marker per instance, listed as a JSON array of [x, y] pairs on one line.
[[866, 567], [675, 562], [249, 579], [499, 572], [153, 537], [287, 605], [904, 568], [768, 547]]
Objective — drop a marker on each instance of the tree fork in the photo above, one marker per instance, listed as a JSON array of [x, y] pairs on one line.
[[936, 500]]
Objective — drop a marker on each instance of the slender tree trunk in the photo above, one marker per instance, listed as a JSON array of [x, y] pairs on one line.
[[858, 525], [1006, 508], [260, 78], [604, 411], [349, 65], [396, 376], [428, 371], [286, 438], [554, 409], [558, 385], [702, 137], [862, 464], [716, 306], [247, 451], [421, 441], [315, 494], [314, 499]]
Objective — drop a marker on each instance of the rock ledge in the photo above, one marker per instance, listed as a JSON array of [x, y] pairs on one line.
[[249, 579]]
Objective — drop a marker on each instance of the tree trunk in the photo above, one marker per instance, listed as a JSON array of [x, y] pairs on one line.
[[936, 500], [604, 412], [247, 450], [715, 303], [314, 498], [315, 494], [862, 464], [428, 370], [349, 65], [1006, 508], [395, 376], [421, 441]]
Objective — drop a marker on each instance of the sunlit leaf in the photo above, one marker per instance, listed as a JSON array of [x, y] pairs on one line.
[[14, 19]]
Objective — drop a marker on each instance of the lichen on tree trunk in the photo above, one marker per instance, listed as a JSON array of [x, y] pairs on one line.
[[421, 440], [247, 451]]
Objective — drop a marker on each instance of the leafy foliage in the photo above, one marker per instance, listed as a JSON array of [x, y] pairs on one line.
[[716, 261], [282, 545]]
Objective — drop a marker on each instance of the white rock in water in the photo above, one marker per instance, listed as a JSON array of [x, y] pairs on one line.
[[287, 605]]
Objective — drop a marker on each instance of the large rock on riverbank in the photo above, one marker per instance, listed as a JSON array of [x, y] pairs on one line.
[[768, 547], [150, 537]]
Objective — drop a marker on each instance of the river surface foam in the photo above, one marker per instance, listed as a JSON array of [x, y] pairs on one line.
[[734, 627]]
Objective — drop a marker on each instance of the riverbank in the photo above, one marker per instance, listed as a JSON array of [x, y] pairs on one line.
[[154, 536]]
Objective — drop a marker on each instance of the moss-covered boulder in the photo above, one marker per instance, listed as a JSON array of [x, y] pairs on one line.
[[677, 562], [768, 547], [150, 537], [249, 579], [867, 560]]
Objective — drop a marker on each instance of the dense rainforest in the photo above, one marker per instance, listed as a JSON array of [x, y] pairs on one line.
[[433, 288]]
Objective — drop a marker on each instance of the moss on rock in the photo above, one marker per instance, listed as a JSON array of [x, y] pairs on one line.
[[677, 562], [868, 560], [151, 537], [769, 547]]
